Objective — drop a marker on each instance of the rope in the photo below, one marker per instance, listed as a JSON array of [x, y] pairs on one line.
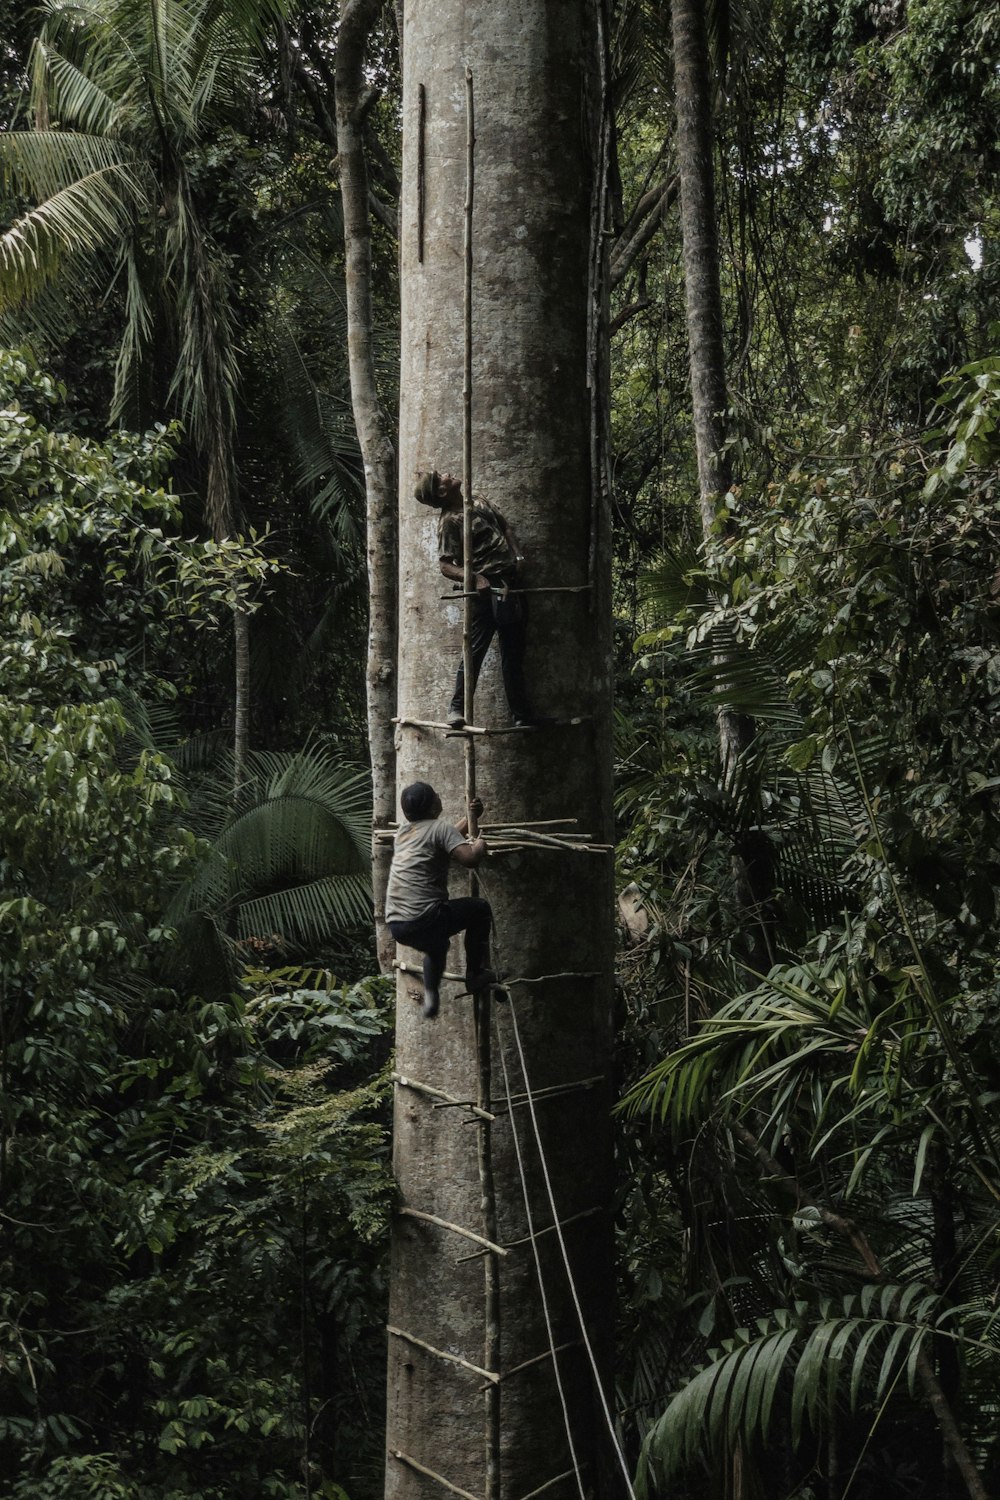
[[538, 1272], [557, 1225]]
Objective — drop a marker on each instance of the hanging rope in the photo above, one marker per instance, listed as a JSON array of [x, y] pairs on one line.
[[538, 1270], [557, 1224]]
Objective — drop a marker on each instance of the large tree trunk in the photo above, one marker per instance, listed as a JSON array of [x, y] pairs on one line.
[[377, 453], [536, 70]]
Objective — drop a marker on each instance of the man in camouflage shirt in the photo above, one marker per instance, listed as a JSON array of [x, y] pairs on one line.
[[496, 560]]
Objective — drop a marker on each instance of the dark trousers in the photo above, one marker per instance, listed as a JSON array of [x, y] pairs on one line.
[[504, 618], [430, 934]]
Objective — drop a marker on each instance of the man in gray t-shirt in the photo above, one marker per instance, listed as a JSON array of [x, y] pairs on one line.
[[417, 907]]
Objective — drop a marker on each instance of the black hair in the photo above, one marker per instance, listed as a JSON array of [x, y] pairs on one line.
[[417, 800]]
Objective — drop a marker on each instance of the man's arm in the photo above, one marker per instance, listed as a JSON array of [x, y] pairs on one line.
[[451, 569], [513, 544], [474, 852], [471, 854]]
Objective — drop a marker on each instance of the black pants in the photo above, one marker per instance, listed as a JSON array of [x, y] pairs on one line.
[[430, 934], [504, 618]]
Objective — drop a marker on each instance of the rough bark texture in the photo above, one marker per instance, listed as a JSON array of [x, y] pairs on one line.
[[376, 447], [701, 251], [753, 863], [536, 67]]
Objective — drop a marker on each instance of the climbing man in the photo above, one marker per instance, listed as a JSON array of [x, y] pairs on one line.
[[417, 908], [496, 562]]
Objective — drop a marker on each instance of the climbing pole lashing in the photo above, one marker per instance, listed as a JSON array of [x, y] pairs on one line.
[[482, 729], [439, 1095], [468, 1234]]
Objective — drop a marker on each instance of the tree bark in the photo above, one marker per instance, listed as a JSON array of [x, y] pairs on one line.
[[536, 69], [753, 861], [377, 452], [703, 296]]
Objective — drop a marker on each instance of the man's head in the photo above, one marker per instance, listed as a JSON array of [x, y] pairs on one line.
[[443, 491], [419, 800]]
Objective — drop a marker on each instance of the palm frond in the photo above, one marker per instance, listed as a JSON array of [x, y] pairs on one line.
[[292, 859], [81, 218], [41, 163], [73, 95], [308, 913], [803, 1357]]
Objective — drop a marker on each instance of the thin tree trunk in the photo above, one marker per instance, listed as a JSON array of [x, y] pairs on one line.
[[213, 429], [692, 83], [537, 236], [377, 453], [707, 362]]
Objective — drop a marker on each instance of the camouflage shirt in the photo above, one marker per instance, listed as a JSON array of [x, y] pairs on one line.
[[492, 554]]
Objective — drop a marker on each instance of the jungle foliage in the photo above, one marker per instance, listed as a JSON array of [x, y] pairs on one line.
[[194, 1184]]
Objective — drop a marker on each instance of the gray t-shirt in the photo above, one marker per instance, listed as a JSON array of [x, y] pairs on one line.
[[418, 878]]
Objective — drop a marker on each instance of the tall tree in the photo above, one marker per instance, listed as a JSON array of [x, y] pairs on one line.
[[707, 361], [536, 453], [373, 435]]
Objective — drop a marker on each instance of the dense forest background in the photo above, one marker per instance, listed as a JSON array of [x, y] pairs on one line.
[[194, 1042]]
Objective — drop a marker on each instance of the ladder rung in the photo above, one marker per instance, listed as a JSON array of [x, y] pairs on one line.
[[404, 1458], [586, 1213], [469, 1234], [454, 1359], [405, 968], [440, 1095], [556, 1479], [539, 1358]]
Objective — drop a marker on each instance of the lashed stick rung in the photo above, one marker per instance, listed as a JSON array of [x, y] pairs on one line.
[[439, 1094], [585, 1213], [544, 978], [541, 822], [552, 588], [404, 723], [453, 1359], [555, 1089], [538, 1359], [557, 1479], [467, 1234], [411, 1463]]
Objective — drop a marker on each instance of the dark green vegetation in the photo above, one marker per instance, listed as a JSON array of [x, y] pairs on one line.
[[193, 1124]]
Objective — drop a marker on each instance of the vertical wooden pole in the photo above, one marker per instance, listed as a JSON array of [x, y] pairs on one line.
[[468, 578], [482, 1003]]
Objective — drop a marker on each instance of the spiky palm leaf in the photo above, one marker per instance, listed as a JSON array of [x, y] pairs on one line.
[[289, 864], [131, 86], [802, 1360]]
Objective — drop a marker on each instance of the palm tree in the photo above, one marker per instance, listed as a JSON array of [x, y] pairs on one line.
[[286, 868], [123, 94]]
